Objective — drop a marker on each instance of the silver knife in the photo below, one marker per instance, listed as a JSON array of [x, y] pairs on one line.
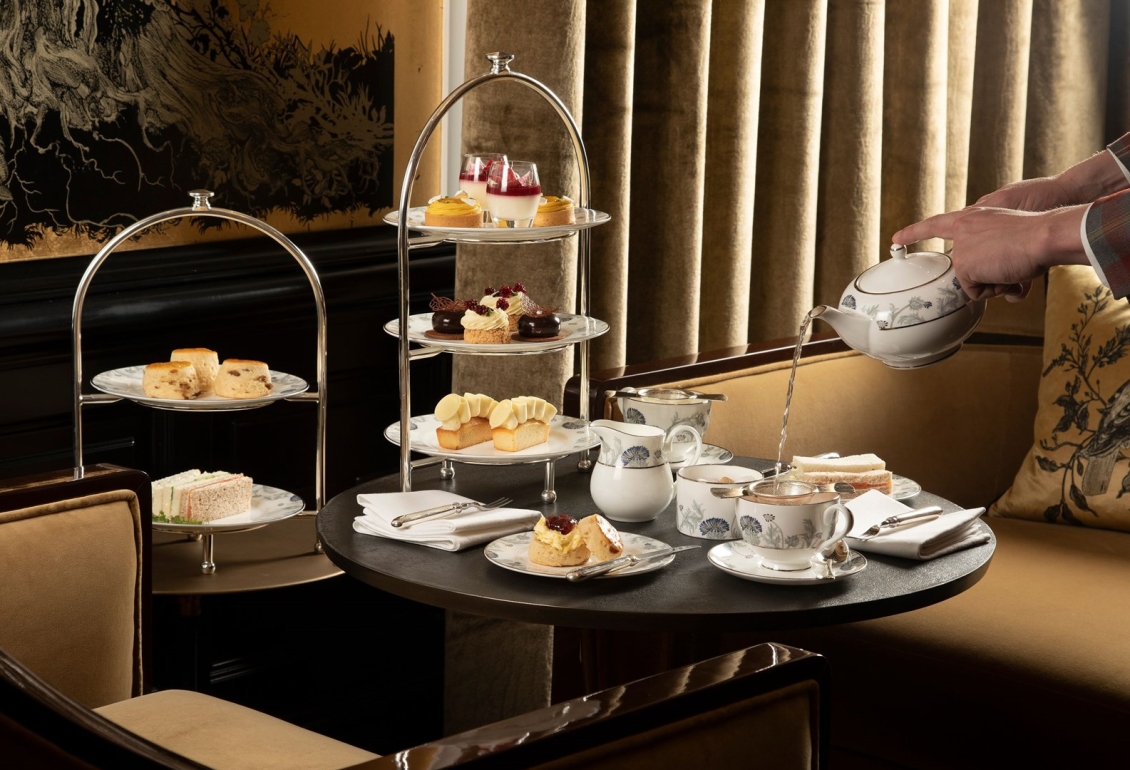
[[400, 521], [919, 514], [584, 573]]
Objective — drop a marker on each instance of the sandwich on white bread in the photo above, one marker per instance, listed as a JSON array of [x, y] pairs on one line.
[[198, 497], [862, 471]]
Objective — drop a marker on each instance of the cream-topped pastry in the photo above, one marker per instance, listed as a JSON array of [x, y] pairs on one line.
[[486, 325], [555, 210], [463, 420], [460, 210], [512, 300], [557, 542], [522, 422]]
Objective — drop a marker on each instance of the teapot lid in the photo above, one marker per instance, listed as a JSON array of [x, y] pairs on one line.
[[903, 272]]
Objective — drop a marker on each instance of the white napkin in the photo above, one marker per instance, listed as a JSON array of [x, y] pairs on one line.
[[948, 533], [448, 534]]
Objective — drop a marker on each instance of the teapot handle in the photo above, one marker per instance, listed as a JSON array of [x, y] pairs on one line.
[[676, 430]]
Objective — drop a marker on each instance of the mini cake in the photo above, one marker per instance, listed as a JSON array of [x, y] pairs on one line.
[[205, 361], [555, 210], [195, 497], [511, 299], [485, 325], [171, 379], [447, 314], [239, 378], [557, 542], [539, 322], [601, 537], [463, 420], [458, 211], [520, 423]]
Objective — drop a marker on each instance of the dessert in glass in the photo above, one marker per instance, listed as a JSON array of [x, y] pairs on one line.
[[513, 193], [474, 172]]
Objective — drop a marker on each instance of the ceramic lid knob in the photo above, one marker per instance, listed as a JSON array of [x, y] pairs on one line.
[[898, 251]]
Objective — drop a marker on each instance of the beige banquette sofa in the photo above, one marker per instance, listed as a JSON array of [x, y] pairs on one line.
[[1028, 668]]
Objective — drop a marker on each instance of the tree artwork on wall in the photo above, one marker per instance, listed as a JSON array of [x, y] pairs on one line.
[[112, 110]]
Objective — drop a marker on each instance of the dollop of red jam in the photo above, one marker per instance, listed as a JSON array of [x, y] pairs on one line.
[[562, 523]]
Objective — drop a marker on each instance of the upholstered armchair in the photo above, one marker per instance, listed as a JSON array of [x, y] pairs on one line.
[[74, 639]]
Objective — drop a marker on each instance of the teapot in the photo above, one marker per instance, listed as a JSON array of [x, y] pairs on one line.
[[632, 479], [908, 311]]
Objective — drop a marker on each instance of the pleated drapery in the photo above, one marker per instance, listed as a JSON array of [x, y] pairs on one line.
[[755, 155]]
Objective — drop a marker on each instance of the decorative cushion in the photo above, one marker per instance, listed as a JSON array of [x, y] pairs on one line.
[[1078, 470]]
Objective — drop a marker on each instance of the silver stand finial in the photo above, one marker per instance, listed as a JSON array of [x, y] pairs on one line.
[[499, 62], [200, 199]]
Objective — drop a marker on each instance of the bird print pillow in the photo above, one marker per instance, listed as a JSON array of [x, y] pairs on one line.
[[1078, 470]]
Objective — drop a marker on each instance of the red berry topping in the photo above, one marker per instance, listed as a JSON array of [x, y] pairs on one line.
[[506, 291], [488, 290], [484, 310], [520, 287], [502, 304], [470, 304], [561, 523]]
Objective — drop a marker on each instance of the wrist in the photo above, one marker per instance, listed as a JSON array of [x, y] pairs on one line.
[[1095, 177], [1061, 241]]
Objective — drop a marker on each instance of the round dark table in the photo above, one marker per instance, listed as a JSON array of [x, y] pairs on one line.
[[689, 595]]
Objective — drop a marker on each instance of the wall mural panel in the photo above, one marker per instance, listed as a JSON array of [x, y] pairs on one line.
[[112, 110]]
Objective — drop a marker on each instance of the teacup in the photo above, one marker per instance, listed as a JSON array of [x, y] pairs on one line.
[[787, 522], [665, 408], [699, 513]]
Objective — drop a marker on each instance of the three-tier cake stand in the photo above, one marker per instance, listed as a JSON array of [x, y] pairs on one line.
[[578, 438]]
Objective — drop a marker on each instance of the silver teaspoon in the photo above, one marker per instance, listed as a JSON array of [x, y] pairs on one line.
[[840, 487]]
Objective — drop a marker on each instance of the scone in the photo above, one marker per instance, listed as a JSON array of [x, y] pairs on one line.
[[171, 379], [239, 378], [558, 543], [457, 211], [519, 423], [485, 325], [463, 420], [601, 537], [555, 210], [206, 362]]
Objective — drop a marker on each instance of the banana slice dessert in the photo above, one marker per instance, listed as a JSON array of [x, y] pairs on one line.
[[520, 423], [464, 420]]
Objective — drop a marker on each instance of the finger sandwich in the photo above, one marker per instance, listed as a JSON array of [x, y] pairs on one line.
[[195, 497], [863, 471]]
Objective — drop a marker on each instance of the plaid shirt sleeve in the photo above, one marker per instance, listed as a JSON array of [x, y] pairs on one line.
[[1106, 239], [1120, 149]]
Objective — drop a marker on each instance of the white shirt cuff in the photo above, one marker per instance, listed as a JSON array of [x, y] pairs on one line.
[[1125, 173], [1087, 244]]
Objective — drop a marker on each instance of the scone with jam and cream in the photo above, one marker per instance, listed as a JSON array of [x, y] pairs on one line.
[[555, 210], [485, 325], [463, 420], [557, 542], [601, 537], [459, 210], [520, 423]]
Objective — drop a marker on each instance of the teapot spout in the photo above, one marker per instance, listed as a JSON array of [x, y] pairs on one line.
[[853, 327]]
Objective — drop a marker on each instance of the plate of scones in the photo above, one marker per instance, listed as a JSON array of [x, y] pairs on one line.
[[475, 428], [559, 544], [195, 379]]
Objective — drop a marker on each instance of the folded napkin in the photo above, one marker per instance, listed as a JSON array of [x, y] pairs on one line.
[[448, 534], [948, 533]]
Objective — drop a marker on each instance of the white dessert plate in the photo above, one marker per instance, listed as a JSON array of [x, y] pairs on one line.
[[268, 505], [488, 233], [512, 553], [126, 383], [712, 454], [567, 435], [738, 559], [574, 329]]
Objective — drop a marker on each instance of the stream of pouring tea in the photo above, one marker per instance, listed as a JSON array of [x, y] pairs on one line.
[[789, 394]]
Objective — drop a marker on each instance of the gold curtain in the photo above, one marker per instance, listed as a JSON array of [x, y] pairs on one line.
[[755, 155]]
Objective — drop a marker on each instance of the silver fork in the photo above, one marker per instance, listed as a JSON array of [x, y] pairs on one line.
[[408, 518]]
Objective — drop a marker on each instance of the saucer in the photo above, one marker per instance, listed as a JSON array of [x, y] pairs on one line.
[[737, 559], [711, 455]]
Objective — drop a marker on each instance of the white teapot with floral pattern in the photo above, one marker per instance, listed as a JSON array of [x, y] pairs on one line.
[[907, 311], [632, 480]]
